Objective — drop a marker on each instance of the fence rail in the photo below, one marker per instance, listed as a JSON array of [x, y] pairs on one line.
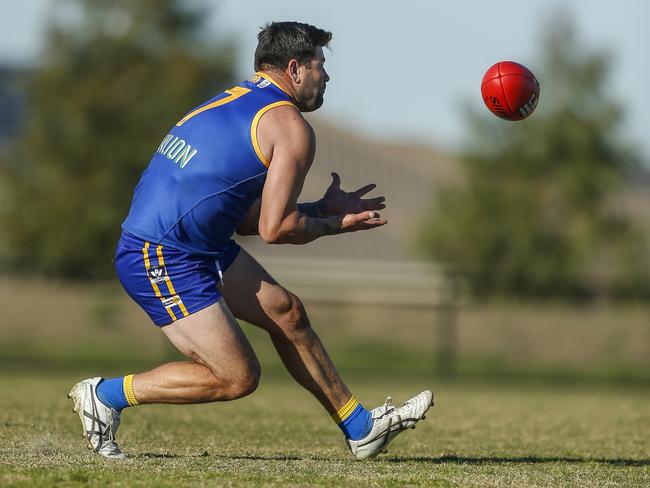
[[387, 283]]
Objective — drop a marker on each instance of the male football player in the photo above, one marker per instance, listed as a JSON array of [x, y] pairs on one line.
[[237, 163]]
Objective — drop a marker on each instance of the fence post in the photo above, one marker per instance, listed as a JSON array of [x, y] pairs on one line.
[[447, 328]]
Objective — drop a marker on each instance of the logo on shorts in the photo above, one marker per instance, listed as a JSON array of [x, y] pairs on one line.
[[157, 274], [171, 301]]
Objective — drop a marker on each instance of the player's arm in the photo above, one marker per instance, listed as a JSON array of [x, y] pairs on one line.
[[249, 226], [335, 201], [285, 135]]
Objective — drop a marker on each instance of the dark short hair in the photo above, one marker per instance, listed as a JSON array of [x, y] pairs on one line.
[[279, 42]]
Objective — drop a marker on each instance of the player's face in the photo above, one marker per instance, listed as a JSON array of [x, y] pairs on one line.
[[315, 77]]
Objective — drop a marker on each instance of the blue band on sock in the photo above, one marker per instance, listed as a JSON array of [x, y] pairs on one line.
[[111, 393], [357, 425]]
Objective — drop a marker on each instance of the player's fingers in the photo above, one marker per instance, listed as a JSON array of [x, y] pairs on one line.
[[372, 223], [363, 216], [377, 206], [373, 203], [362, 221], [336, 180], [372, 218], [365, 189]]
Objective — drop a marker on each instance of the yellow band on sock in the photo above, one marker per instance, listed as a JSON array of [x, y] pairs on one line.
[[345, 411], [128, 390]]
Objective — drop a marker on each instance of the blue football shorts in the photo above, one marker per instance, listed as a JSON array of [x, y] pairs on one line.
[[167, 283]]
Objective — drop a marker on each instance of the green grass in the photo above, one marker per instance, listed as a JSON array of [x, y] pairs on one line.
[[546, 396], [476, 435]]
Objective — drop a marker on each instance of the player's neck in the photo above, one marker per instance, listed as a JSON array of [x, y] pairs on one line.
[[282, 80]]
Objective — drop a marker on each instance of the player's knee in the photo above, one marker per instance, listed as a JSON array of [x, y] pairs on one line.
[[242, 382], [239, 380], [243, 386], [291, 317]]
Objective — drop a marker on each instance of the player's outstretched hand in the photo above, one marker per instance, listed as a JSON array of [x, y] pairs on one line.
[[338, 202], [361, 221]]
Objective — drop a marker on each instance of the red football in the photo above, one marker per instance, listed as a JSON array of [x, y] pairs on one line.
[[510, 90]]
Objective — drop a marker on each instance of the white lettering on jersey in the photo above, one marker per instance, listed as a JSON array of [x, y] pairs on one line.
[[176, 150]]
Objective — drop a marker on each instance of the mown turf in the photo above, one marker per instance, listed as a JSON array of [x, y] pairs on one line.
[[476, 435]]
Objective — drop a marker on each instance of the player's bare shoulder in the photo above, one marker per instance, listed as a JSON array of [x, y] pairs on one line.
[[284, 129]]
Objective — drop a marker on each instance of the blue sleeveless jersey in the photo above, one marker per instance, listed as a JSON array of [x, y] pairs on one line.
[[206, 173]]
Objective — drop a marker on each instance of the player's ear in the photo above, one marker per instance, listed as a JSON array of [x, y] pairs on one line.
[[292, 69]]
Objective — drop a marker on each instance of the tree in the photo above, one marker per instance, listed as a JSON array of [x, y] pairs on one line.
[[535, 215], [111, 84]]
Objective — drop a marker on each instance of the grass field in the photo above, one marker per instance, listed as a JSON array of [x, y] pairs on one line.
[[545, 396], [476, 435]]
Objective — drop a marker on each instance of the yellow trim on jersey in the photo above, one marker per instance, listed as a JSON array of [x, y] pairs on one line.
[[271, 80], [168, 281], [127, 383], [256, 121], [345, 411], [233, 93], [154, 285]]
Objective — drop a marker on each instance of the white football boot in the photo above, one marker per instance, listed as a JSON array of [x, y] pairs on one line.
[[99, 422], [388, 422]]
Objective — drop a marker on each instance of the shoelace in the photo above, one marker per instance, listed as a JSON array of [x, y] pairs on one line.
[[384, 409], [104, 431], [108, 446], [97, 426]]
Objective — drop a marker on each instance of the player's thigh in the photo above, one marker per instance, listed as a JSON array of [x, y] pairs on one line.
[[213, 337], [254, 296], [179, 292]]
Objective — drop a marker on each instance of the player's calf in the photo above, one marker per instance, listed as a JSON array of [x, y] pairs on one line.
[[288, 316], [191, 382], [239, 379]]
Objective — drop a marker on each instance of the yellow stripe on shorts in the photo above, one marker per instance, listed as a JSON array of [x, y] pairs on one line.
[[168, 281], [147, 265]]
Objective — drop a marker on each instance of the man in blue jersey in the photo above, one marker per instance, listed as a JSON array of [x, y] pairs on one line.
[[237, 163]]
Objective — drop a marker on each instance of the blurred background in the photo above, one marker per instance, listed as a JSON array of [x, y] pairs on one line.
[[515, 252]]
